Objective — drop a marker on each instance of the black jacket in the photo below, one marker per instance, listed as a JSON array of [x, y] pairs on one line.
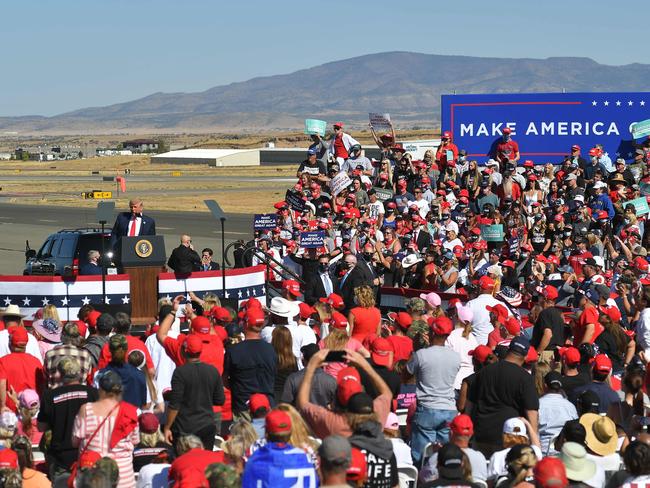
[[355, 278], [315, 289], [184, 260]]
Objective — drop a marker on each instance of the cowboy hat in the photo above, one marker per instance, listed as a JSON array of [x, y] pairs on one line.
[[13, 311], [284, 308], [578, 466], [410, 260]]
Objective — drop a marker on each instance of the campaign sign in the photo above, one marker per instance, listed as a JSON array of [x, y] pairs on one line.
[[545, 125], [492, 233], [312, 239], [379, 121], [383, 194], [294, 200], [641, 129], [640, 206], [340, 182], [315, 126], [265, 221]]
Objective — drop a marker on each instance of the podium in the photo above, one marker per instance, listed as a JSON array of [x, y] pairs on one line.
[[142, 258]]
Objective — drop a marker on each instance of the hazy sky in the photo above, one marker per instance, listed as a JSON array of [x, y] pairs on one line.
[[63, 55]]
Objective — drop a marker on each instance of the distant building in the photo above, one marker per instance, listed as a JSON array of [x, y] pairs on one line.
[[141, 145]]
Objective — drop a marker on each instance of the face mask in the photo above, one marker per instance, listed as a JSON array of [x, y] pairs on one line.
[[367, 256], [627, 221], [567, 234], [445, 216], [322, 267]]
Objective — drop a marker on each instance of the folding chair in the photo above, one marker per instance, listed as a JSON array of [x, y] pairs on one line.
[[218, 443], [409, 474], [427, 452]]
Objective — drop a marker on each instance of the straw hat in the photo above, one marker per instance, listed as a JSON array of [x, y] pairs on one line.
[[13, 311], [601, 433]]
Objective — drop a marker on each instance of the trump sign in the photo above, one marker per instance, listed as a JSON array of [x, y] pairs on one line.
[[545, 125]]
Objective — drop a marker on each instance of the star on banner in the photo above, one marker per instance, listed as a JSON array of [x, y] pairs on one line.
[[248, 293], [239, 294], [629, 155], [64, 302], [630, 103], [125, 300], [45, 301], [254, 292], [618, 154], [26, 302], [618, 103], [642, 103], [85, 301], [606, 103], [594, 103], [227, 294], [107, 301], [7, 301]]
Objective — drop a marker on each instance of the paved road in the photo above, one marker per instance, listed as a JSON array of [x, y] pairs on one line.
[[19, 223], [147, 178]]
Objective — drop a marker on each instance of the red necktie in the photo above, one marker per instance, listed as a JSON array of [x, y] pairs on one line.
[[132, 227]]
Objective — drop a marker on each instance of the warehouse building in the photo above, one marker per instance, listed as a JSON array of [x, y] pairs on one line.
[[211, 157]]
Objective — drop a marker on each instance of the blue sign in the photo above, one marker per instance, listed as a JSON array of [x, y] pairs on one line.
[[312, 239], [265, 221], [545, 125]]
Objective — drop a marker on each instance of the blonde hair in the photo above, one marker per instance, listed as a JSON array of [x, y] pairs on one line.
[[210, 300], [467, 327], [245, 431], [541, 370], [510, 440], [356, 419], [365, 296], [519, 467], [336, 340], [301, 434], [50, 312], [324, 311], [150, 440]]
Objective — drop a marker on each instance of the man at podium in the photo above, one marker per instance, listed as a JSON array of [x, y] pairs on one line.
[[132, 224]]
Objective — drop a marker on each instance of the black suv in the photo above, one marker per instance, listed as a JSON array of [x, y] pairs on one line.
[[66, 250]]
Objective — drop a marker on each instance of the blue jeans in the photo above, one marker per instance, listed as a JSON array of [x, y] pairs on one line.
[[429, 425]]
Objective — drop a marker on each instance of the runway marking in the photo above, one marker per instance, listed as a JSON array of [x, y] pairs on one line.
[[47, 220], [165, 228], [234, 233], [6, 218]]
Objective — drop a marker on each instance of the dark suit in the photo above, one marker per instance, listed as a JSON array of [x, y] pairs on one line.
[[89, 269], [315, 288], [184, 260], [423, 240], [211, 267], [354, 279], [121, 228]]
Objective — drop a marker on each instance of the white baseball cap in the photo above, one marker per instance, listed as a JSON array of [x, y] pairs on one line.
[[515, 426]]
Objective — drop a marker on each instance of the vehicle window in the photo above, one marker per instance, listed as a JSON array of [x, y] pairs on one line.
[[45, 250], [67, 248], [56, 245], [90, 242]]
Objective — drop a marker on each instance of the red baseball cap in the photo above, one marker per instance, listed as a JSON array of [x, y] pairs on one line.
[[338, 321], [83, 328], [446, 135], [252, 303], [280, 205], [19, 337], [348, 383], [462, 425], [571, 355], [550, 472], [380, 351], [532, 356], [486, 283], [640, 263], [481, 353], [338, 124], [334, 300], [257, 401], [193, 344], [602, 364], [529, 164], [575, 147], [221, 314], [403, 319], [201, 325], [87, 460], [508, 263], [499, 310], [92, 317], [506, 130], [292, 286], [513, 326], [358, 470], [550, 292], [612, 312], [441, 325], [278, 422], [254, 317], [148, 423], [306, 311]]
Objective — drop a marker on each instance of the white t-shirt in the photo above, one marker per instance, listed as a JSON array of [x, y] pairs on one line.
[[422, 205], [452, 244], [301, 335], [162, 363], [376, 209], [462, 346], [153, 476], [476, 459], [32, 345], [643, 330], [481, 323]]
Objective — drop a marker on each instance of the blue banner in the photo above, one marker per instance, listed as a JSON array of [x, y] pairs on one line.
[[545, 125]]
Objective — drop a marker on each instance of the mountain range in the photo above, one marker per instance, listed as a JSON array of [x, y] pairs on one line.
[[405, 84]]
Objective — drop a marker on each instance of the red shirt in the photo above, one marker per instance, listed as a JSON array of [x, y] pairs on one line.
[[588, 316], [339, 148], [495, 338], [366, 322], [578, 260], [134, 344], [213, 351], [507, 150], [188, 470], [441, 154], [22, 371], [402, 347]]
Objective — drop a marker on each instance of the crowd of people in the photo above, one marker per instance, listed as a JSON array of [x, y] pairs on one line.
[[520, 357]]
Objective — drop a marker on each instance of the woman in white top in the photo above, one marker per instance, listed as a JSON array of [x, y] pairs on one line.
[[516, 430], [463, 341]]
